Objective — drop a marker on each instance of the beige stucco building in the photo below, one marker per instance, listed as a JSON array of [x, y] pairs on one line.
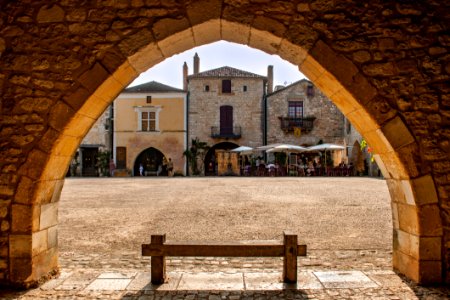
[[149, 125]]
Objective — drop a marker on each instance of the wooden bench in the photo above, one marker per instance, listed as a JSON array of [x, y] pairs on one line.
[[158, 249]]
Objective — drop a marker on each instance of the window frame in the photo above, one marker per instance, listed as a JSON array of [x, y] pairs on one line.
[[148, 109], [222, 87], [296, 108]]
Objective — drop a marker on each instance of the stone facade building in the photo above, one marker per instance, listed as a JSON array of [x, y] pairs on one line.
[[149, 126], [226, 108], [301, 114]]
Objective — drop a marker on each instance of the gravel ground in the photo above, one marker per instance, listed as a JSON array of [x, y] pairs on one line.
[[116, 215]]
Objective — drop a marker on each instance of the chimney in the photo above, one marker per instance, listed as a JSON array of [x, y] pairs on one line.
[[269, 79], [196, 63], [185, 75]]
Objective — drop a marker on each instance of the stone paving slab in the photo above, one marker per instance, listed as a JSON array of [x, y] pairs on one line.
[[344, 279]]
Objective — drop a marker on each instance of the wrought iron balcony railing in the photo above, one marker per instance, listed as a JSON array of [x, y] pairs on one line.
[[289, 123], [226, 132]]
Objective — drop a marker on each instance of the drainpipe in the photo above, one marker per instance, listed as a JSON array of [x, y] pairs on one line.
[[187, 132]]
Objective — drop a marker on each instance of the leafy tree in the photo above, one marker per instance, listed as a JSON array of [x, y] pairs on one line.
[[196, 155], [103, 158]]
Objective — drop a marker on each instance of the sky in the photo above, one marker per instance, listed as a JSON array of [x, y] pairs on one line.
[[220, 54]]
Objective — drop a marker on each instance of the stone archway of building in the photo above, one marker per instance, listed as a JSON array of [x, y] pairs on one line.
[[352, 81], [210, 160], [151, 158]]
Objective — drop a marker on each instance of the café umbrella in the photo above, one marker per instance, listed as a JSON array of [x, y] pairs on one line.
[[325, 147], [288, 149]]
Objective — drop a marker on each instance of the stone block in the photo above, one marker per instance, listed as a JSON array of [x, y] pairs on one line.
[[430, 272], [344, 279], [20, 246], [406, 243], [381, 166], [345, 102], [93, 78], [377, 140], [408, 218], [24, 218], [328, 84], [24, 191], [430, 248], [21, 270], [52, 238], [93, 107], [394, 166], [146, 58], [79, 125], [207, 32], [177, 43], [66, 145], [44, 191], [109, 90], [49, 215], [235, 32], [34, 165], [292, 53], [336, 64], [167, 28], [424, 190], [39, 242], [59, 115], [395, 218], [56, 168], [397, 133], [125, 73], [45, 263], [406, 265], [408, 192], [430, 220], [363, 121], [203, 11]]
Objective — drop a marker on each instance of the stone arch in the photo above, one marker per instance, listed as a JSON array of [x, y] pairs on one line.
[[210, 153], [353, 65], [151, 158]]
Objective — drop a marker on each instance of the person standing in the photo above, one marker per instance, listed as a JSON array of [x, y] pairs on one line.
[[170, 167], [141, 170]]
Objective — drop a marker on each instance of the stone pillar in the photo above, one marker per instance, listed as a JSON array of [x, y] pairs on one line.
[[269, 79], [185, 75], [196, 64]]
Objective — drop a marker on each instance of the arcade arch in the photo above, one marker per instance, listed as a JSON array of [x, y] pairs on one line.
[[355, 73]]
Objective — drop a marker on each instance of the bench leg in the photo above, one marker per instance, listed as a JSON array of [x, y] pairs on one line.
[[158, 263], [290, 258]]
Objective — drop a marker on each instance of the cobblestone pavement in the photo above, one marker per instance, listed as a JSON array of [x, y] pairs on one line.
[[362, 270]]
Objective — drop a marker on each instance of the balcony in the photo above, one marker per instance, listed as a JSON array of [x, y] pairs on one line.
[[226, 132], [289, 123]]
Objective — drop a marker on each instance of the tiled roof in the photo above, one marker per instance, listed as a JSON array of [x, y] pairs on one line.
[[152, 87], [226, 72], [290, 85]]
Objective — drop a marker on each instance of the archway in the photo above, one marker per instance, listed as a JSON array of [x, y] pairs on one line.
[[210, 159], [150, 159], [391, 96]]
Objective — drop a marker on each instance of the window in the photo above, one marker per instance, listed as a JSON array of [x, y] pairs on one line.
[[148, 118], [148, 121], [295, 109], [226, 86], [244, 88], [149, 99], [310, 90], [206, 88]]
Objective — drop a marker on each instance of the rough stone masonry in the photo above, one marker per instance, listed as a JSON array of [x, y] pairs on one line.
[[385, 64]]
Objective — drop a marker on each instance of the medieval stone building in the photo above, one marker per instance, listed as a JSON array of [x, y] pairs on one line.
[[149, 129]]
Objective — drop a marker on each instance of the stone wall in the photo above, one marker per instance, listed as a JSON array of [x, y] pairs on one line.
[[100, 133], [204, 109], [385, 64], [328, 125]]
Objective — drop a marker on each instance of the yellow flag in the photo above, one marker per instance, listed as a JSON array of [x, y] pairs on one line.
[[297, 131]]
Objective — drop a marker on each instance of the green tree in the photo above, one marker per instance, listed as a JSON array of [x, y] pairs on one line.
[[103, 158], [196, 155]]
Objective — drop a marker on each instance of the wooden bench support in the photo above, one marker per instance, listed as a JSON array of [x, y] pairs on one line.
[[158, 249]]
